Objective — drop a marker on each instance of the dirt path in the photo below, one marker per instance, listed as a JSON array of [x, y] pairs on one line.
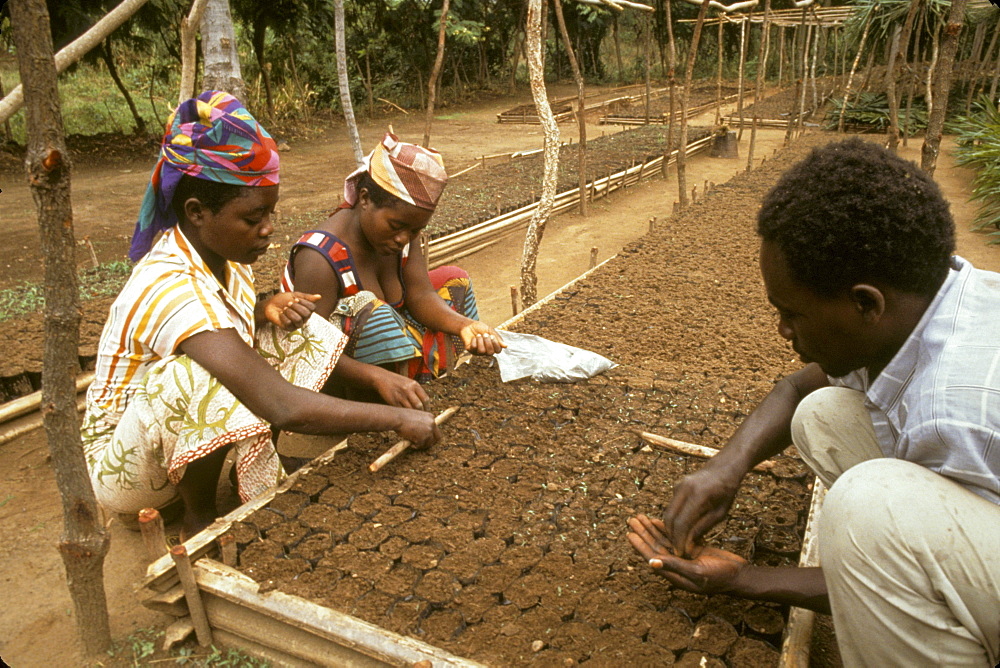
[[37, 621]]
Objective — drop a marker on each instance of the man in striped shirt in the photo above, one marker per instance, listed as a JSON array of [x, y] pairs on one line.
[[897, 411]]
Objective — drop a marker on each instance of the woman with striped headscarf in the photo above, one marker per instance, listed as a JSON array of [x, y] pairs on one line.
[[405, 325], [190, 365]]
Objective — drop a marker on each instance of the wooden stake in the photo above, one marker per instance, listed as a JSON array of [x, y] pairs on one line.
[[514, 305], [93, 255], [191, 593], [593, 258], [683, 448], [227, 549], [154, 536], [397, 449]]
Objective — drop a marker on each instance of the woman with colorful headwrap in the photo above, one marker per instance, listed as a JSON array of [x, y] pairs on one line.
[[404, 324], [190, 365]]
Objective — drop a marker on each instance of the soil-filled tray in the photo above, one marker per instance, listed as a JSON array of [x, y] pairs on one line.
[[505, 543]]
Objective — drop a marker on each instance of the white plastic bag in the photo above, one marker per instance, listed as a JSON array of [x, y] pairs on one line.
[[547, 361]]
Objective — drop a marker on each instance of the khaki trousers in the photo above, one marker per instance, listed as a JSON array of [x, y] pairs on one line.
[[911, 559]]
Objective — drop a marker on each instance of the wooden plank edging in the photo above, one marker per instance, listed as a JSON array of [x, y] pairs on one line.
[[296, 615], [797, 639]]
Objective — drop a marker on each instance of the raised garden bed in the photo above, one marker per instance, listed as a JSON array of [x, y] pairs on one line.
[[505, 543]]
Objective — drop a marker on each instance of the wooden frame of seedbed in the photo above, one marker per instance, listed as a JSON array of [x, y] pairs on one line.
[[291, 631], [450, 247], [527, 114], [662, 119]]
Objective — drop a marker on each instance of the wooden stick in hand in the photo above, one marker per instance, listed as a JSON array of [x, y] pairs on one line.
[[395, 450], [692, 449]]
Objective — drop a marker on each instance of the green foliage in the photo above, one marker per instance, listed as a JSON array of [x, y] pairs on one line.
[[140, 649], [140, 645], [103, 281], [872, 110], [979, 147]]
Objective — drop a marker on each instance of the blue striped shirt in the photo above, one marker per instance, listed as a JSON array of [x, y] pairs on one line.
[[937, 402]]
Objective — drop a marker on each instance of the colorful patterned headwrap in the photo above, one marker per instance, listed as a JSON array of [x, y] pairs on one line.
[[210, 137], [412, 173]]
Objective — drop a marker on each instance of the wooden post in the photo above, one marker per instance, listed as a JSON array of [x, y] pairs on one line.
[[514, 306], [593, 257], [227, 548], [153, 535], [197, 609]]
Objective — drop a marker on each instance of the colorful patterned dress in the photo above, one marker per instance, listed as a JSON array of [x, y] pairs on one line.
[[151, 411], [387, 334]]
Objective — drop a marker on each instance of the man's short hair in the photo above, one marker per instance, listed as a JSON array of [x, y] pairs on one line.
[[852, 212]]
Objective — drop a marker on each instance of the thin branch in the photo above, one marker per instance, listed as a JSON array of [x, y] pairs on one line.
[[735, 7]]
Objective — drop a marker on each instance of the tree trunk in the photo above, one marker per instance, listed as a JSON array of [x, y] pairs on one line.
[[259, 45], [218, 45], [84, 542], [581, 116], [972, 65], [344, 84], [368, 85], [781, 55], [618, 48], [809, 41], [76, 50], [744, 36], [762, 53], [189, 48], [672, 83], [8, 135], [911, 89], [902, 46], [435, 73], [536, 72], [109, 61], [647, 61], [996, 77], [854, 68], [718, 74], [685, 93], [942, 84], [801, 44]]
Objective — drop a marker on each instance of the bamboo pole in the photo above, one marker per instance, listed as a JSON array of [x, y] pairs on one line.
[[401, 446]]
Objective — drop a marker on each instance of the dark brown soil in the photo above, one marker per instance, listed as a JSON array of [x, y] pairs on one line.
[[504, 186], [511, 531]]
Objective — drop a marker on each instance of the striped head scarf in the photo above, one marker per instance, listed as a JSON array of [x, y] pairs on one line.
[[210, 137], [412, 173]]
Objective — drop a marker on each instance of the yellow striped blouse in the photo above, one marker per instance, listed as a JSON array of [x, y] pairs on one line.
[[170, 296]]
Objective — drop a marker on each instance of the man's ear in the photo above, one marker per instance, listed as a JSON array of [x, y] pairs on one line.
[[869, 301], [194, 211]]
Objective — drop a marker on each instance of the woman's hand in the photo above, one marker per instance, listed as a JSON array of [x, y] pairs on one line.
[[708, 571], [397, 390], [481, 339], [289, 310]]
